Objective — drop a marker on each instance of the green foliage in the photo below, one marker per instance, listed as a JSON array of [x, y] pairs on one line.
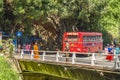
[[7, 47], [74, 8], [1, 11], [6, 72], [51, 71], [27, 12], [34, 9], [110, 17], [109, 20], [86, 15], [1, 6]]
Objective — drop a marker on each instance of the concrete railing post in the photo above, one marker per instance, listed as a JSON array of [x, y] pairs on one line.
[[93, 59], [21, 55], [114, 54], [32, 55], [43, 58], [73, 58], [117, 62], [57, 57]]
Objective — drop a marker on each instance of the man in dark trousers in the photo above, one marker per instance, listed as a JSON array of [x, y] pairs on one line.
[[67, 48]]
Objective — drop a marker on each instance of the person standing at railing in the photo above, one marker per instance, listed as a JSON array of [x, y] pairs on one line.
[[24, 48], [110, 53], [27, 49], [67, 48], [117, 52], [35, 47], [30, 48], [106, 50], [19, 48], [116, 56]]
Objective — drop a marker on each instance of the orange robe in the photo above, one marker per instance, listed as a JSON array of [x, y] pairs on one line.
[[36, 54]]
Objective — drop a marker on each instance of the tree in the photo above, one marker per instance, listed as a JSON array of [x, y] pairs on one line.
[[28, 11], [54, 17], [110, 17], [1, 13]]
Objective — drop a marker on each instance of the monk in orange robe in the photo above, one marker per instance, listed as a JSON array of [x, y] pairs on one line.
[[36, 54]]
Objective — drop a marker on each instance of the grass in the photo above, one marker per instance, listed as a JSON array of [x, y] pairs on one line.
[[6, 71]]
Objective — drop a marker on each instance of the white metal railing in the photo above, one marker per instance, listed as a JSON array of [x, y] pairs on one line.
[[96, 59]]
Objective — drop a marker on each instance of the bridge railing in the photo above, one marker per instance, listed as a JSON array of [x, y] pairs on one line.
[[96, 59]]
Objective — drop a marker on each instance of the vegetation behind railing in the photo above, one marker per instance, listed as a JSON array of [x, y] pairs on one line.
[[6, 71], [7, 47]]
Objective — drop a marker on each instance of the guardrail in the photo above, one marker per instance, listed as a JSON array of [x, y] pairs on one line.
[[96, 59]]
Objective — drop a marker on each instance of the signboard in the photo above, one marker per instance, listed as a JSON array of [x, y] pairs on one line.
[[72, 33], [19, 34]]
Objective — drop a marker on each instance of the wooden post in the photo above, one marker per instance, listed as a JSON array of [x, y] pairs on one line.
[[67, 48], [67, 56], [73, 58]]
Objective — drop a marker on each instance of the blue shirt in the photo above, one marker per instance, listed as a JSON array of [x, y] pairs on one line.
[[117, 50], [109, 49]]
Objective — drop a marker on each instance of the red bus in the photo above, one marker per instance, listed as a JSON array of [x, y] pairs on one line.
[[83, 41]]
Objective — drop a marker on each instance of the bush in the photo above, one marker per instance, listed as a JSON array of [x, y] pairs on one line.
[[6, 72]]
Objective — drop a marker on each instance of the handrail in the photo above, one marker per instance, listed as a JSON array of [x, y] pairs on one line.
[[59, 56]]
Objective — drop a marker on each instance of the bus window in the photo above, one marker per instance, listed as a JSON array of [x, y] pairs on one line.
[[100, 38], [97, 38], [93, 38], [88, 38], [84, 38]]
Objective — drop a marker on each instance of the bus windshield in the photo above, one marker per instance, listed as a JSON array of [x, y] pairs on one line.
[[72, 38]]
